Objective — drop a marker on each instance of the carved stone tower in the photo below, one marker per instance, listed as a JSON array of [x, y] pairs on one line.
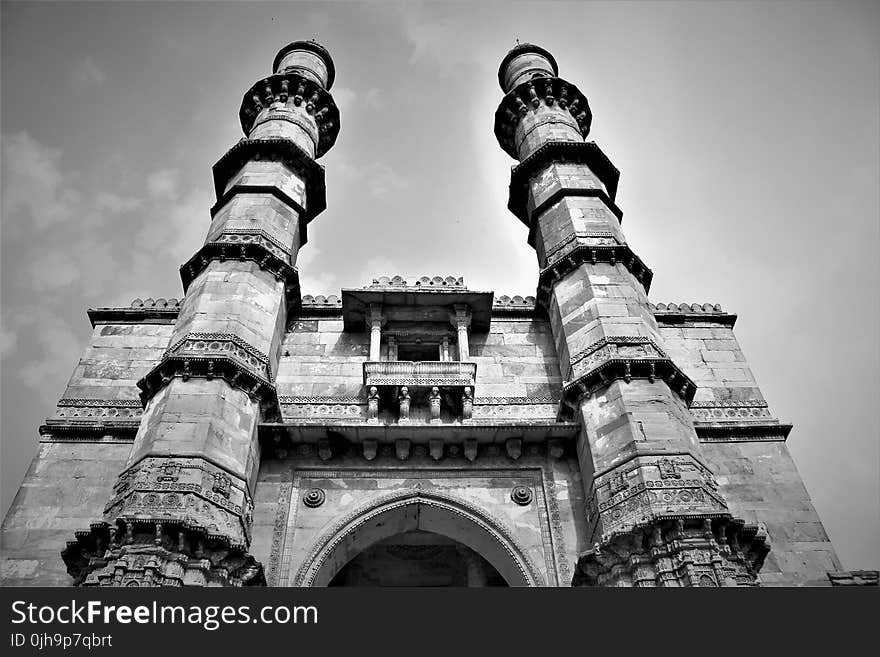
[[182, 508], [654, 510]]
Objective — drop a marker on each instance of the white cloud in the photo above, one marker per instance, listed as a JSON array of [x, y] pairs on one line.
[[383, 180], [33, 184], [164, 183], [313, 278], [344, 98], [87, 72], [8, 342]]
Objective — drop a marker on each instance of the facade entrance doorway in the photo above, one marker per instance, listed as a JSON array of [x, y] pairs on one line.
[[418, 558], [417, 538]]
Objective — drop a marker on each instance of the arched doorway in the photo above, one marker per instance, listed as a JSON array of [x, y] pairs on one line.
[[418, 558], [438, 523]]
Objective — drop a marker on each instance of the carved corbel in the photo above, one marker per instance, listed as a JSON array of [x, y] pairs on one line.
[[373, 405], [434, 399], [404, 400], [467, 403]]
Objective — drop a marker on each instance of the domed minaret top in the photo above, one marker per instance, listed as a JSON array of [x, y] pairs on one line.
[[308, 58], [524, 62]]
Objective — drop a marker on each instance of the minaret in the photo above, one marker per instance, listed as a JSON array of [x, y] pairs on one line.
[[654, 511], [181, 511]]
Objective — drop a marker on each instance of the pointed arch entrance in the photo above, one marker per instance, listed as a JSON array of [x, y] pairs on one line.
[[417, 511]]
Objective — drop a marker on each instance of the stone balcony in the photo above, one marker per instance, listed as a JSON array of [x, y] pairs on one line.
[[451, 373]]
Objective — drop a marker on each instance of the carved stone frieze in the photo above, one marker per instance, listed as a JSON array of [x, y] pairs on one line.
[[648, 487], [187, 489], [223, 344]]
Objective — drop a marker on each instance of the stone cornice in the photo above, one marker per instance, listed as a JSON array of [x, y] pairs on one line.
[[257, 252], [219, 366], [530, 96], [683, 313], [583, 253], [625, 369], [275, 150], [302, 92], [742, 432]]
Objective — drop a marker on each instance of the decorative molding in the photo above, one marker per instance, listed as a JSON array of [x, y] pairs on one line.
[[279, 530], [743, 432], [314, 497], [521, 495]]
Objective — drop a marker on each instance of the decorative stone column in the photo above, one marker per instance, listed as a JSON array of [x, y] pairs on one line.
[[375, 319], [654, 511], [184, 503], [461, 320]]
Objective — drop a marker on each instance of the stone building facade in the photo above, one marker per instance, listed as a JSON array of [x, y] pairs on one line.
[[414, 432]]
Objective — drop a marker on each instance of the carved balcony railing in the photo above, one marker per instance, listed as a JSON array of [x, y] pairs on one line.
[[420, 373]]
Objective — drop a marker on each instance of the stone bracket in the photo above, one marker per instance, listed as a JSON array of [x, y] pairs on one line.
[[280, 87], [158, 552], [254, 251], [212, 366], [280, 150], [627, 369], [677, 551], [584, 254], [530, 95]]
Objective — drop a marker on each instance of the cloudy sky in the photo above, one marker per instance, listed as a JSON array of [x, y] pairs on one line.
[[747, 135]]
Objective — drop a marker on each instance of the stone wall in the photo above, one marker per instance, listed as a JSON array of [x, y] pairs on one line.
[[745, 447], [86, 442]]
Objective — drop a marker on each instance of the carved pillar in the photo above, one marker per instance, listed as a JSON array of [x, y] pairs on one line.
[[461, 320], [629, 397], [375, 320], [185, 498]]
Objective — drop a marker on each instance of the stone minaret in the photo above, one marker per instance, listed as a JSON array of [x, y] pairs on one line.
[[654, 511], [181, 511]]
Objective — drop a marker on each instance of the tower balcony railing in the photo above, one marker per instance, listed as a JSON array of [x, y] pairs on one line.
[[420, 373]]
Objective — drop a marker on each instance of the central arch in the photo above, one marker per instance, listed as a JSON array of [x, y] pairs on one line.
[[417, 511]]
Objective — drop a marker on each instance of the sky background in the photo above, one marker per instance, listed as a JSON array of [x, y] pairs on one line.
[[747, 136]]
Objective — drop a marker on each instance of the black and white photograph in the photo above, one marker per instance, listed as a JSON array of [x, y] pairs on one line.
[[439, 295]]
